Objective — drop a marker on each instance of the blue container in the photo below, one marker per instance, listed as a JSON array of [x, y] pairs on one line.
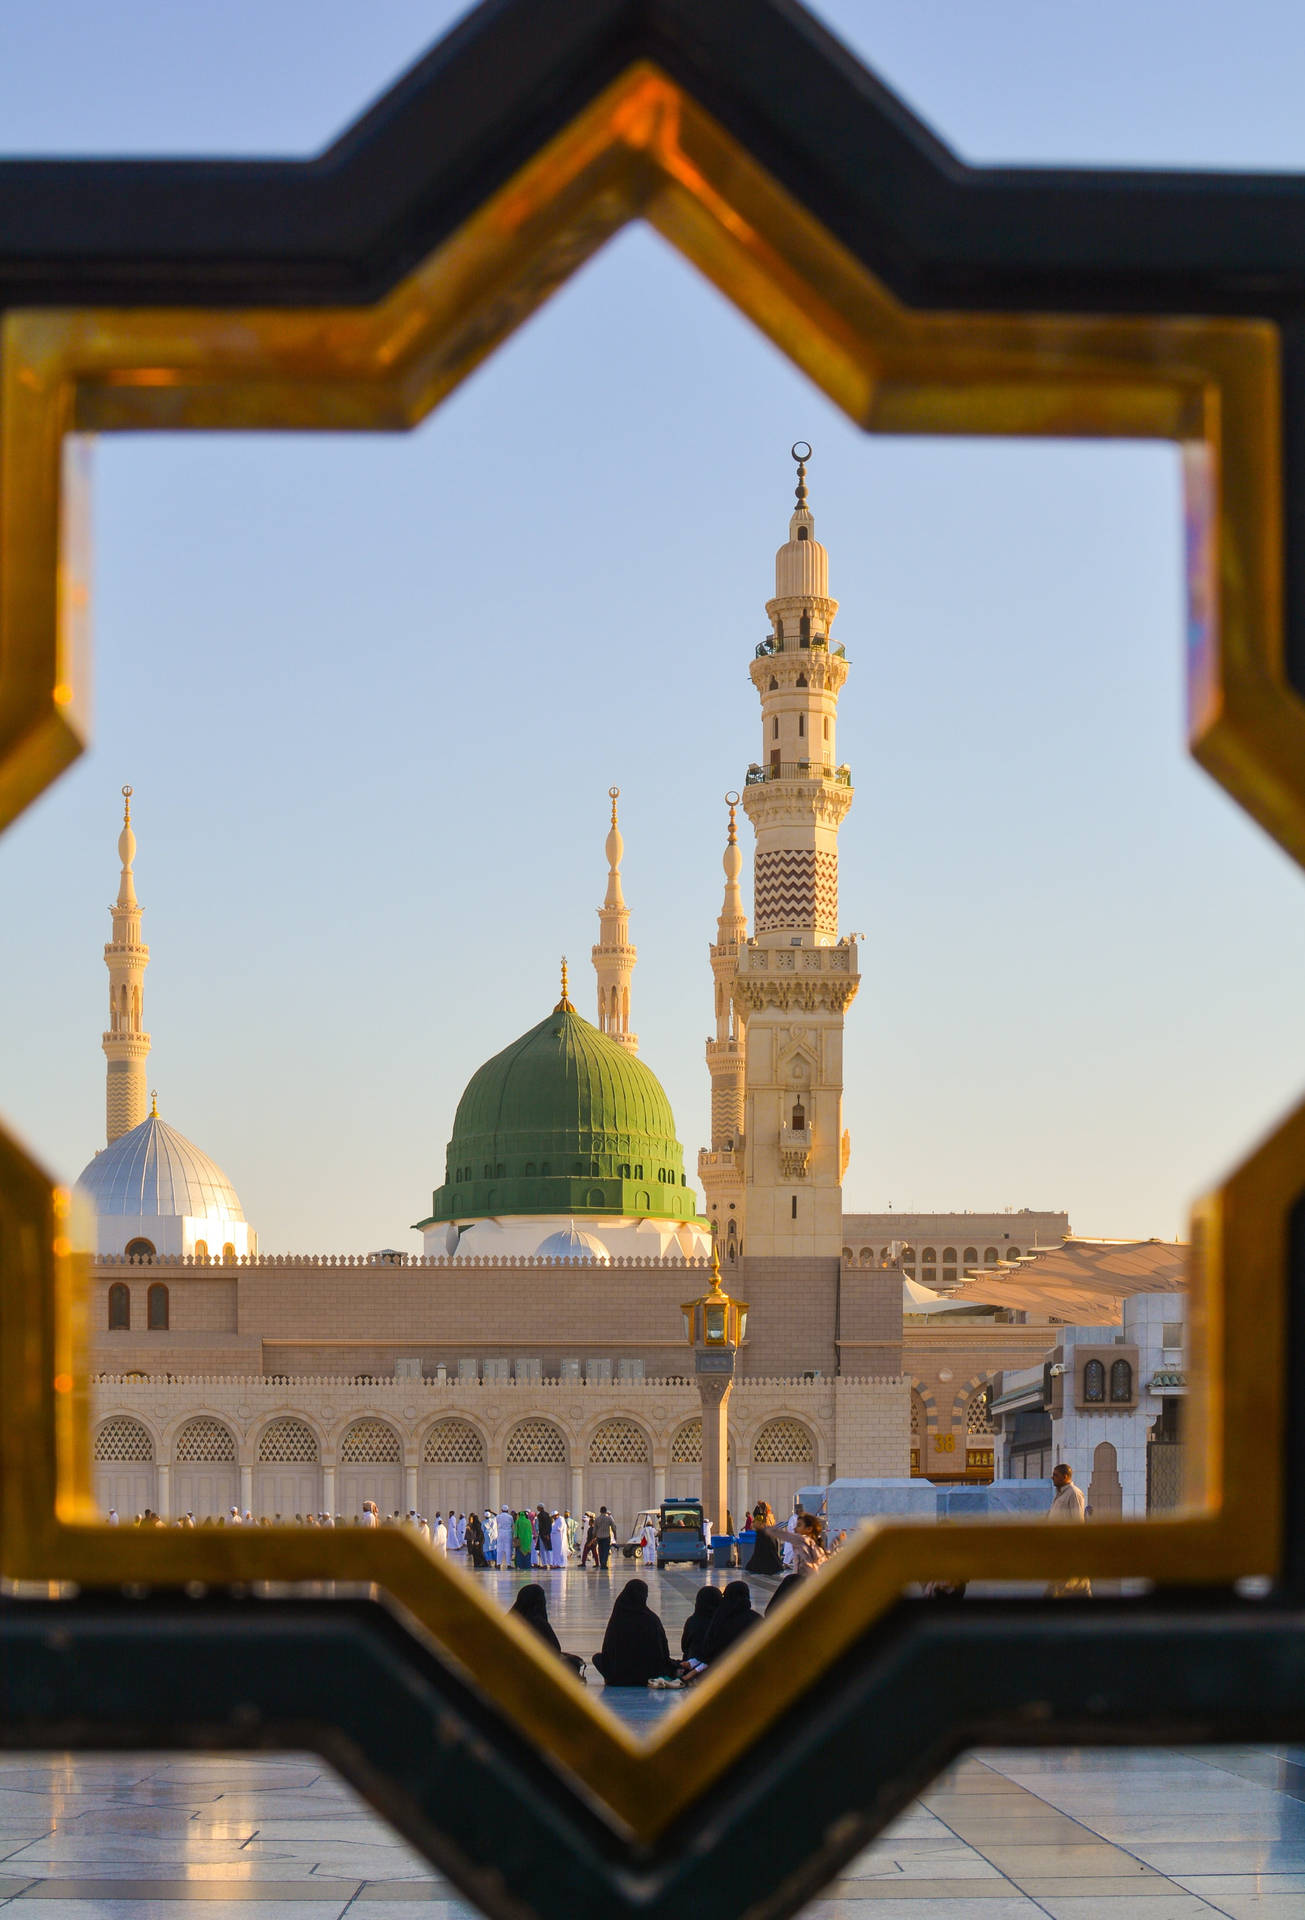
[[724, 1550]]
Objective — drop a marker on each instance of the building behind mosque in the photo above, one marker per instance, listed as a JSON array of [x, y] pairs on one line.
[[534, 1350]]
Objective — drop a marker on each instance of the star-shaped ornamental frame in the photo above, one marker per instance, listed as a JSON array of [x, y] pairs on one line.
[[355, 292]]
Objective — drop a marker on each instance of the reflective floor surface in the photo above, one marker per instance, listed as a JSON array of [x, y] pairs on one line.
[[1078, 1835]]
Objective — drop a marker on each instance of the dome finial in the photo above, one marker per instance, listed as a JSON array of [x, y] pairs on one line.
[[154, 1103], [732, 802], [613, 794], [126, 810], [564, 1004], [801, 452]]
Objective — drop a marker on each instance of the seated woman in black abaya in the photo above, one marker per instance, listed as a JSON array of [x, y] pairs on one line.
[[634, 1645]]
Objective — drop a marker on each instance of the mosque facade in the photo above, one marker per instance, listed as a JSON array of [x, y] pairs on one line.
[[534, 1350]]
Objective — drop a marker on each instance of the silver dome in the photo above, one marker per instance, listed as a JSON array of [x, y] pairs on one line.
[[571, 1244], [155, 1172]]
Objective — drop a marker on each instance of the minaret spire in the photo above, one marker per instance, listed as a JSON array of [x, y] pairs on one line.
[[126, 1044], [795, 978], [614, 958], [720, 1166]]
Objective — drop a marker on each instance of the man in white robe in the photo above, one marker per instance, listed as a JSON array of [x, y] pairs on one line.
[[505, 1519], [489, 1526], [441, 1539], [557, 1554]]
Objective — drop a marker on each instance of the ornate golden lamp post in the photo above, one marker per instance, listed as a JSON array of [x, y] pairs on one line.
[[714, 1327]]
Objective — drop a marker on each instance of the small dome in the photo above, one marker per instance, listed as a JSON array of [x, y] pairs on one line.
[[154, 1172], [571, 1244]]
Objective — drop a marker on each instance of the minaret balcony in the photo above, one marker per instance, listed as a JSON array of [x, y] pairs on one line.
[[720, 1160], [759, 776], [818, 643], [794, 1152]]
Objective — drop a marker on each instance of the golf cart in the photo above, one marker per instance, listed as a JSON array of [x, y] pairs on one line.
[[680, 1533]]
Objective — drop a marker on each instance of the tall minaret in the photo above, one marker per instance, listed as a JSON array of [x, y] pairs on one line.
[[126, 1044], [614, 957], [795, 978], [720, 1166]]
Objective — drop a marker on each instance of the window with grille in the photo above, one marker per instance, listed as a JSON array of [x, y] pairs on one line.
[[916, 1421], [119, 1307], [978, 1414], [1094, 1381], [205, 1439], [369, 1443], [123, 1439], [620, 1443], [452, 1443], [288, 1441], [156, 1308], [1121, 1382], [536, 1443], [783, 1443], [686, 1447]]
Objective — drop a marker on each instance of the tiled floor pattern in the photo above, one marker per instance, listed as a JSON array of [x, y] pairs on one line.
[[1081, 1835]]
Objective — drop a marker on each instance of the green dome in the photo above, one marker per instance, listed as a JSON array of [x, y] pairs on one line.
[[564, 1121]]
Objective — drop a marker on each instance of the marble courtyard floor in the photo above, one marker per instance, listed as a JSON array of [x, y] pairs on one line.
[[1074, 1835]]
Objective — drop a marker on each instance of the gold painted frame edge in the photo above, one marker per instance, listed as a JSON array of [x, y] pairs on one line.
[[644, 148]]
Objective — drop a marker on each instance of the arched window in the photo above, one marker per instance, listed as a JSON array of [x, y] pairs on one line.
[[1094, 1381], [907, 1256], [228, 1250], [801, 680], [1013, 1253], [971, 1256], [867, 1255], [139, 1249], [596, 1197], [774, 684], [930, 1256], [201, 1249], [618, 1443], [978, 1411], [204, 1440], [453, 1443], [799, 1117], [530, 1168], [287, 1440], [536, 1443], [802, 726], [368, 1443], [1121, 1382], [119, 1307], [990, 1256], [123, 1438], [156, 1308], [949, 1256], [783, 1443], [804, 631]]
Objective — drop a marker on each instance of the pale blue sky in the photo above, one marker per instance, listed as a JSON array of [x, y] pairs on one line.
[[371, 692]]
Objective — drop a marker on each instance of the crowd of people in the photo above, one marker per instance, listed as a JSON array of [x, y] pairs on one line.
[[531, 1537]]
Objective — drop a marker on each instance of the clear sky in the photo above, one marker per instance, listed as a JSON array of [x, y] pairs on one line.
[[371, 692]]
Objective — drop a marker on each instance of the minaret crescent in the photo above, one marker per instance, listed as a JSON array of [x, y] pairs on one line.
[[126, 1044]]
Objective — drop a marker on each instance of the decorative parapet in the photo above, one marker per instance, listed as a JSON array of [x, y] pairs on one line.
[[790, 1383], [270, 1262]]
